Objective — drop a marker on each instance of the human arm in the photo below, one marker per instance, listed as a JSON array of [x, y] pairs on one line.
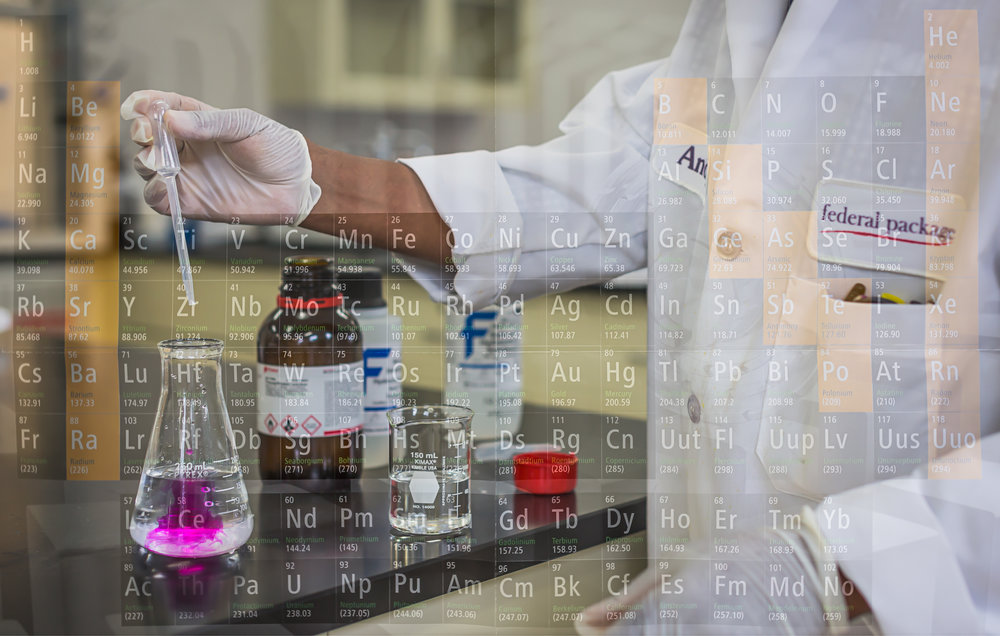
[[381, 199], [535, 219], [778, 582], [520, 221], [240, 166], [921, 550]]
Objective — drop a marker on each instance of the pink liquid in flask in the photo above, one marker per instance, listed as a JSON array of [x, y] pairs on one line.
[[194, 522]]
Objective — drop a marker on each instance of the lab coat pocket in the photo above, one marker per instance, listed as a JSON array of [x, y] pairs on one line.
[[828, 386]]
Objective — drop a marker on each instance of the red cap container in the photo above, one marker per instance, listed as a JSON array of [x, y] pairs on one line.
[[545, 472]]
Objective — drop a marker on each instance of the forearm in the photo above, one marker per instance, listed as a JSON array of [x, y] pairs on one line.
[[381, 199]]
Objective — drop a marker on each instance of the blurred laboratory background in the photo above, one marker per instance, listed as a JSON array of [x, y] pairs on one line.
[[380, 77]]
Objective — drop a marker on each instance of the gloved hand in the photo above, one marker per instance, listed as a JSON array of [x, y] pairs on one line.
[[236, 165], [772, 586]]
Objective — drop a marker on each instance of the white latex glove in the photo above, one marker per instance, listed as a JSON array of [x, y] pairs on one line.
[[764, 561], [236, 165]]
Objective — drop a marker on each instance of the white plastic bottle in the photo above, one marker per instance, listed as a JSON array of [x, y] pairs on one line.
[[483, 366], [381, 339]]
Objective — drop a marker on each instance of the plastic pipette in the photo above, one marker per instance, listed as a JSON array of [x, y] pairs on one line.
[[168, 166]]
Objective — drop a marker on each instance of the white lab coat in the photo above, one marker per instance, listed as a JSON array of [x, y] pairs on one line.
[[925, 553]]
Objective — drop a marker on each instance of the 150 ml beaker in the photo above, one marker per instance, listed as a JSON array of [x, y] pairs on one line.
[[430, 464], [192, 501]]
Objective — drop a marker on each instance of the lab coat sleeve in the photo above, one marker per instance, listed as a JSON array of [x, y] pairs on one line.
[[924, 552], [572, 210]]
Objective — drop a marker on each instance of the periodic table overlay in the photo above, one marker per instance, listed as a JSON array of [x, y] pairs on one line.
[[774, 239], [762, 220], [87, 274], [66, 137], [89, 432]]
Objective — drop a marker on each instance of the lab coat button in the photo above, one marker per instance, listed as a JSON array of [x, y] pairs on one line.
[[728, 245], [694, 409]]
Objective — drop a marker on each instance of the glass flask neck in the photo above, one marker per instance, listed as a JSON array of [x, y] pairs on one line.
[[192, 433], [193, 367], [191, 349]]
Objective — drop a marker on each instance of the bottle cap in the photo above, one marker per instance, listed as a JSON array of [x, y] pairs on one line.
[[363, 288], [545, 472]]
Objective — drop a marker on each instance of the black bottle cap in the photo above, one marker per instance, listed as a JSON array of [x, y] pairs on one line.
[[363, 288]]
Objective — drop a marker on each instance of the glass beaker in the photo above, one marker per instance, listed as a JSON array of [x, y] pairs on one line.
[[409, 549], [430, 465], [192, 501]]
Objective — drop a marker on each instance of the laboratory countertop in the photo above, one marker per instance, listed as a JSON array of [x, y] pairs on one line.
[[316, 560]]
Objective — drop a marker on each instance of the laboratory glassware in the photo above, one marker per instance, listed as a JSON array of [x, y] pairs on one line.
[[196, 588], [310, 379], [409, 549], [430, 466], [192, 501], [382, 336], [168, 166]]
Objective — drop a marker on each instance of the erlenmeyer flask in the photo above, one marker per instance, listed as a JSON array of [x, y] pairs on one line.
[[192, 501]]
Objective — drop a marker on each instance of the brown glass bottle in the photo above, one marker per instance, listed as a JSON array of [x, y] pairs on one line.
[[309, 379]]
